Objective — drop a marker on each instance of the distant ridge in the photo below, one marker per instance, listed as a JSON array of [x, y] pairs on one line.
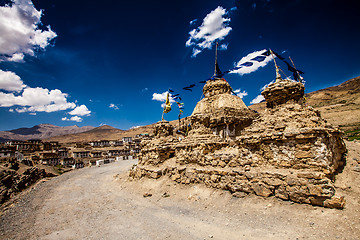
[[41, 131], [104, 132]]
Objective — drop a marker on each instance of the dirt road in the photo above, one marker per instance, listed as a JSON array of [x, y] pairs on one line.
[[99, 203]]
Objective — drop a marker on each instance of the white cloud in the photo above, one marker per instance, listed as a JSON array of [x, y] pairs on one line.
[[256, 65], [80, 111], [195, 52], [161, 97], [258, 99], [9, 81], [74, 118], [19, 31], [113, 106], [16, 57], [28, 99], [36, 100], [33, 113], [223, 46], [214, 27], [193, 21], [134, 127], [240, 93]]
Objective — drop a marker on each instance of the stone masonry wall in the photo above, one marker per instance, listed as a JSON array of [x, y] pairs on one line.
[[289, 153]]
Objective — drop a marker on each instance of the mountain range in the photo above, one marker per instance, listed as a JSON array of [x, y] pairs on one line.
[[339, 105], [41, 131]]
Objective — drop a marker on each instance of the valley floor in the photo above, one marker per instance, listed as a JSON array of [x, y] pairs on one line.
[[100, 203]]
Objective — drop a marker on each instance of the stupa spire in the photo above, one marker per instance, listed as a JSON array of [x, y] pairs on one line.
[[278, 76], [217, 71]]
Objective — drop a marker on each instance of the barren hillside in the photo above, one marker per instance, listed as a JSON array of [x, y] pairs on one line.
[[101, 133]]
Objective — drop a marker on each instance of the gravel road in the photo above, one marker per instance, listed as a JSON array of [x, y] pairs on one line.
[[99, 203]]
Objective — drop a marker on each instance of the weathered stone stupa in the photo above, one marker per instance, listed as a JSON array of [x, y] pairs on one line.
[[220, 113], [288, 152]]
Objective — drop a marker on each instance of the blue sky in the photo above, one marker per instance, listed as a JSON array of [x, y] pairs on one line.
[[92, 63]]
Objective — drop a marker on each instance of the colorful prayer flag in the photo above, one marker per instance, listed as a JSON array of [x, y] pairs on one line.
[[167, 107]]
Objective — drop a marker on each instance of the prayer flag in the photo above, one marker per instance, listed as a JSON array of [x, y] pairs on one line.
[[247, 64], [167, 107], [258, 58]]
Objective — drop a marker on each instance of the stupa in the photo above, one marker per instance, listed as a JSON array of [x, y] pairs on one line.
[[220, 112], [288, 152]]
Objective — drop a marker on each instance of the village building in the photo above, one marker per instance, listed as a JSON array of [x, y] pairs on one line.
[[19, 156], [135, 151], [49, 158], [125, 157], [67, 162], [78, 164], [7, 152], [142, 135], [96, 154], [34, 141], [127, 139], [114, 152], [136, 141], [13, 142], [92, 162], [25, 146], [100, 143], [81, 154], [63, 153], [116, 143], [49, 146]]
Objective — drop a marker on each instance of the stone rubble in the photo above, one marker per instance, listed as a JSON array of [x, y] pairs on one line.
[[12, 182], [288, 152]]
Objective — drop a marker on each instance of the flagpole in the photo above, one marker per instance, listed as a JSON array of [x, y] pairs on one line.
[[295, 68]]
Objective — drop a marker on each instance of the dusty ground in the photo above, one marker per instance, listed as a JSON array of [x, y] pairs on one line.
[[99, 203]]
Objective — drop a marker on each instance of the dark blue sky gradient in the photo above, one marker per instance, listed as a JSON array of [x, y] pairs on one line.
[[111, 51]]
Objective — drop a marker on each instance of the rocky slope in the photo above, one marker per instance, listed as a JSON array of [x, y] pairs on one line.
[[41, 131], [15, 177]]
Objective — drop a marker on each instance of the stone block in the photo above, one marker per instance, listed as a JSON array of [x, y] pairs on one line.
[[175, 177], [262, 189], [281, 192], [335, 202], [304, 154]]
